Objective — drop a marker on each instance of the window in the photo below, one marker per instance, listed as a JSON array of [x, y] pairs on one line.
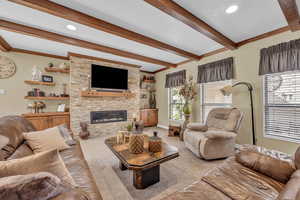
[[211, 97], [282, 106], [176, 103]]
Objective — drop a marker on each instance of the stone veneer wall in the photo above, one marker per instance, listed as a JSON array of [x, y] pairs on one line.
[[80, 107]]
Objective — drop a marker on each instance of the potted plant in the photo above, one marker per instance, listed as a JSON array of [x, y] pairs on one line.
[[188, 92], [129, 127]]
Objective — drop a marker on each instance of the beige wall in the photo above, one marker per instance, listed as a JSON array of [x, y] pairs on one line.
[[246, 60], [13, 102]]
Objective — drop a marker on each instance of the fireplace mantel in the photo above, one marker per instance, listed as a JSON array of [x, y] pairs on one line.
[[106, 94]]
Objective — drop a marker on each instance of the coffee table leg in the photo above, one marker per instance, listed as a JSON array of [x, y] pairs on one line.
[[144, 178], [122, 166]]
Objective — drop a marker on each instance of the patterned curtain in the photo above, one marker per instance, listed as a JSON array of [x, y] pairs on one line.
[[280, 58], [216, 71], [175, 79]]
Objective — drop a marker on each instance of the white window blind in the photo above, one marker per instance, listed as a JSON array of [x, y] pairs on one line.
[[282, 106], [211, 97], [176, 103]]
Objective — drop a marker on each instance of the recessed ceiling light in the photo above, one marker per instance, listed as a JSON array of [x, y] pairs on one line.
[[232, 9], [71, 27]]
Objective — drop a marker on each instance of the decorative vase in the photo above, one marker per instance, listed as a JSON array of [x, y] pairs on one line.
[[154, 143], [84, 133], [136, 143], [152, 100], [187, 118], [186, 108]]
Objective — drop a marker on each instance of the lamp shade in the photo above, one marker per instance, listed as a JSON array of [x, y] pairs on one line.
[[227, 90]]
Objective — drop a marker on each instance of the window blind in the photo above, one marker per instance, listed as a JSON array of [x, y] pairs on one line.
[[282, 105], [175, 104], [213, 98]]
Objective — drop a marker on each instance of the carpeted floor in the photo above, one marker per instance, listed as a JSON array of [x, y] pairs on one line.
[[115, 184]]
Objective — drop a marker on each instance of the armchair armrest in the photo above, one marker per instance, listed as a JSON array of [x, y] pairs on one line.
[[219, 134], [197, 127], [291, 190]]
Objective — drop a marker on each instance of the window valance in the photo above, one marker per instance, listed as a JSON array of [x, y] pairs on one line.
[[175, 79], [280, 58], [216, 71]]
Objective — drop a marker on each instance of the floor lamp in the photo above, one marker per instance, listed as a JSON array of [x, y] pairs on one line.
[[227, 90]]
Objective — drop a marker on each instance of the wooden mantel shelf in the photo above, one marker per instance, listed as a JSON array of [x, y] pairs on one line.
[[53, 69], [39, 83], [106, 94]]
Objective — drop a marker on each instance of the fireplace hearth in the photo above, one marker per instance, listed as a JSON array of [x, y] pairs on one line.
[[108, 116]]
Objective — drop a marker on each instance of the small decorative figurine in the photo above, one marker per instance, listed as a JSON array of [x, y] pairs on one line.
[[84, 133], [36, 74], [50, 65]]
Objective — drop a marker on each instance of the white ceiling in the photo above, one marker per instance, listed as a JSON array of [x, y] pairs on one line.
[[249, 21], [254, 17]]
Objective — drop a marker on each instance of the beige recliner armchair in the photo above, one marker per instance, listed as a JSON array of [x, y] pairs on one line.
[[216, 138]]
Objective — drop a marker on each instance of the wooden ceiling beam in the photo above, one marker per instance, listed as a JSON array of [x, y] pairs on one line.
[[4, 46], [39, 53], [291, 13], [71, 54], [81, 18], [26, 30], [178, 12]]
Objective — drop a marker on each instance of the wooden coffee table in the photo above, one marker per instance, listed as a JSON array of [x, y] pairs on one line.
[[146, 165]]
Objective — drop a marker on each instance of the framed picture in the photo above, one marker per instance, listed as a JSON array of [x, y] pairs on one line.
[[48, 79], [61, 108]]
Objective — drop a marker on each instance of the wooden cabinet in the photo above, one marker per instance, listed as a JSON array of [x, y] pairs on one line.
[[43, 121], [59, 120], [149, 116], [39, 123]]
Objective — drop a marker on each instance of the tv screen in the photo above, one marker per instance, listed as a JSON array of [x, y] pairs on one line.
[[103, 77]]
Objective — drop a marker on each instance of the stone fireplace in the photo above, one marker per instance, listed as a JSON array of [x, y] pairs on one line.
[[111, 113]]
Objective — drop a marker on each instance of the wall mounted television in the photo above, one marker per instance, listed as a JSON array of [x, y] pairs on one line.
[[108, 78]]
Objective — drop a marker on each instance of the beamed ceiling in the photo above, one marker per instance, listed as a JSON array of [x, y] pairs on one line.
[[152, 34]]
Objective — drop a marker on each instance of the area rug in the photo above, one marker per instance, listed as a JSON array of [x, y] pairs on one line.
[[115, 184]]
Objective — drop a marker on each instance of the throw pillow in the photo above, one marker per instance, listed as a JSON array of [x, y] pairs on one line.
[[45, 140], [66, 134], [49, 161], [37, 186], [277, 169]]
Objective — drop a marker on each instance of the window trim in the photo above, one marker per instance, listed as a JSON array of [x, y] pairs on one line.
[[265, 135]]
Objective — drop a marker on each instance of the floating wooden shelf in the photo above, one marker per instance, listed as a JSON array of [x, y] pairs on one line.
[[47, 98], [39, 83], [106, 94], [53, 69], [149, 81], [45, 114]]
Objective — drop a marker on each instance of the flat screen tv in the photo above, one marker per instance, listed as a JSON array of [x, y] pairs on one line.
[[109, 78]]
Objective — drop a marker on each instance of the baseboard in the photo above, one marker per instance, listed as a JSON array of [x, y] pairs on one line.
[[162, 126]]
